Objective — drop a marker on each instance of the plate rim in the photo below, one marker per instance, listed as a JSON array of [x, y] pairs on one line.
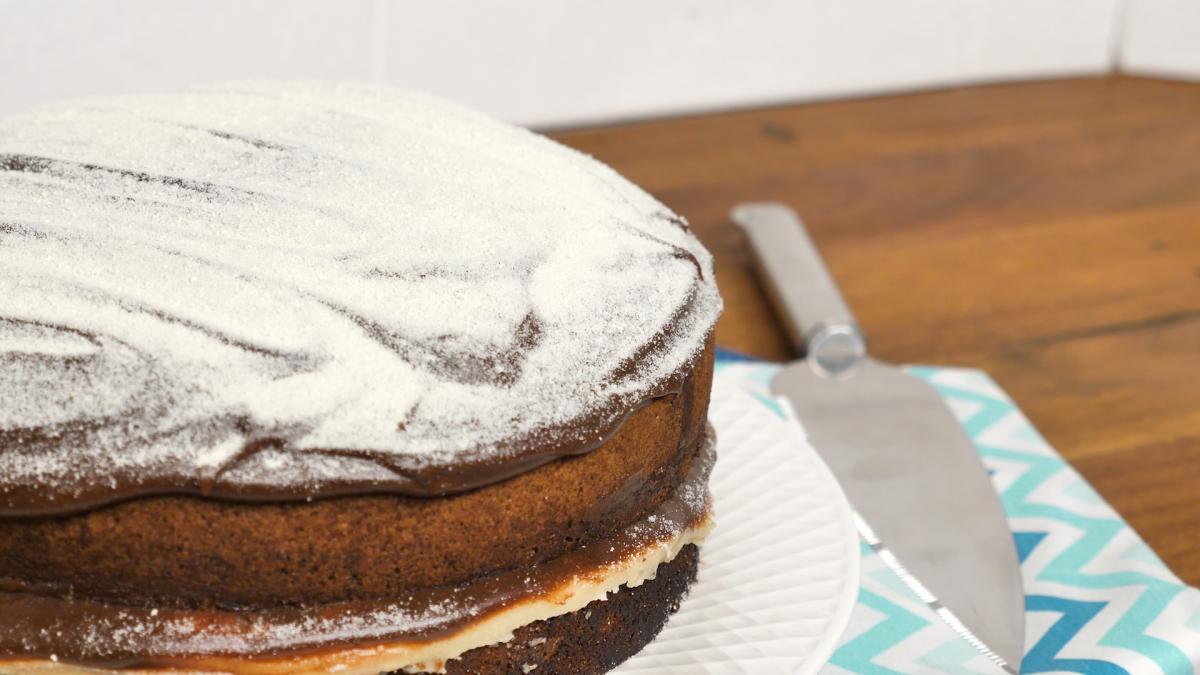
[[785, 426], [840, 619]]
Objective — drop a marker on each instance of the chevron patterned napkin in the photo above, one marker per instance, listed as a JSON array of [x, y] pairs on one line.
[[1098, 600]]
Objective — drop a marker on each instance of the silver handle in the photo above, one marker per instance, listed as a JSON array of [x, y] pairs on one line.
[[805, 295]]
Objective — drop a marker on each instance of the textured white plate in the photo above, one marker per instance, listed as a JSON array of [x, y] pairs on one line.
[[779, 574]]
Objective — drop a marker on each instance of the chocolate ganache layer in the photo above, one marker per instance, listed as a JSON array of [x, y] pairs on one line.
[[270, 291]]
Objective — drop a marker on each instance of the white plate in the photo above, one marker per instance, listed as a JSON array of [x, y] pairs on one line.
[[779, 574]]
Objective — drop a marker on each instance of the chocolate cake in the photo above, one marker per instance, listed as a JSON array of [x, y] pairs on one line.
[[327, 378]]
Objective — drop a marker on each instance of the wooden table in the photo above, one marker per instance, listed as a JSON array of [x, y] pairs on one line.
[[1048, 233]]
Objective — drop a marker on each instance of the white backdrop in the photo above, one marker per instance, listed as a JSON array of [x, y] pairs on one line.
[[557, 62], [1161, 37]]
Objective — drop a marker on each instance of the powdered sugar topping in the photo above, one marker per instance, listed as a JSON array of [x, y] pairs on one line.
[[245, 283]]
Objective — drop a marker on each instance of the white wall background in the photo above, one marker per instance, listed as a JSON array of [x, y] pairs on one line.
[[556, 62], [1161, 37]]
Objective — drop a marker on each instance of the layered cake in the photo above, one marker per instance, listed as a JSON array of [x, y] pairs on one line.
[[301, 378]]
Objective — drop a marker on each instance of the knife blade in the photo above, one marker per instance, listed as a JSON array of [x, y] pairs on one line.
[[906, 464]]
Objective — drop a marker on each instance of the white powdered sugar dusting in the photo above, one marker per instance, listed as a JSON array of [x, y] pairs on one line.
[[167, 632], [328, 267]]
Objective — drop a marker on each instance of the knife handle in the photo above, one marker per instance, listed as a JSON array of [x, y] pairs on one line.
[[817, 319]]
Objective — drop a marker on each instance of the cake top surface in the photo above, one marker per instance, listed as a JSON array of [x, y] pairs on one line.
[[304, 288]]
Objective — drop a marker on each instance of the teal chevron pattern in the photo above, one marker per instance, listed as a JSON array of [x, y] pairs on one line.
[[894, 626], [1097, 598]]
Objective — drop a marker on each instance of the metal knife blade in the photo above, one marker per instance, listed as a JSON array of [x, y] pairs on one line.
[[906, 464]]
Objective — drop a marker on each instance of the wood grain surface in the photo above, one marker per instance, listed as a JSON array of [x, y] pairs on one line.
[[1048, 233]]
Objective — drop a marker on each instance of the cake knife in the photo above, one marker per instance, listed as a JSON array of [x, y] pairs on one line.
[[922, 496]]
